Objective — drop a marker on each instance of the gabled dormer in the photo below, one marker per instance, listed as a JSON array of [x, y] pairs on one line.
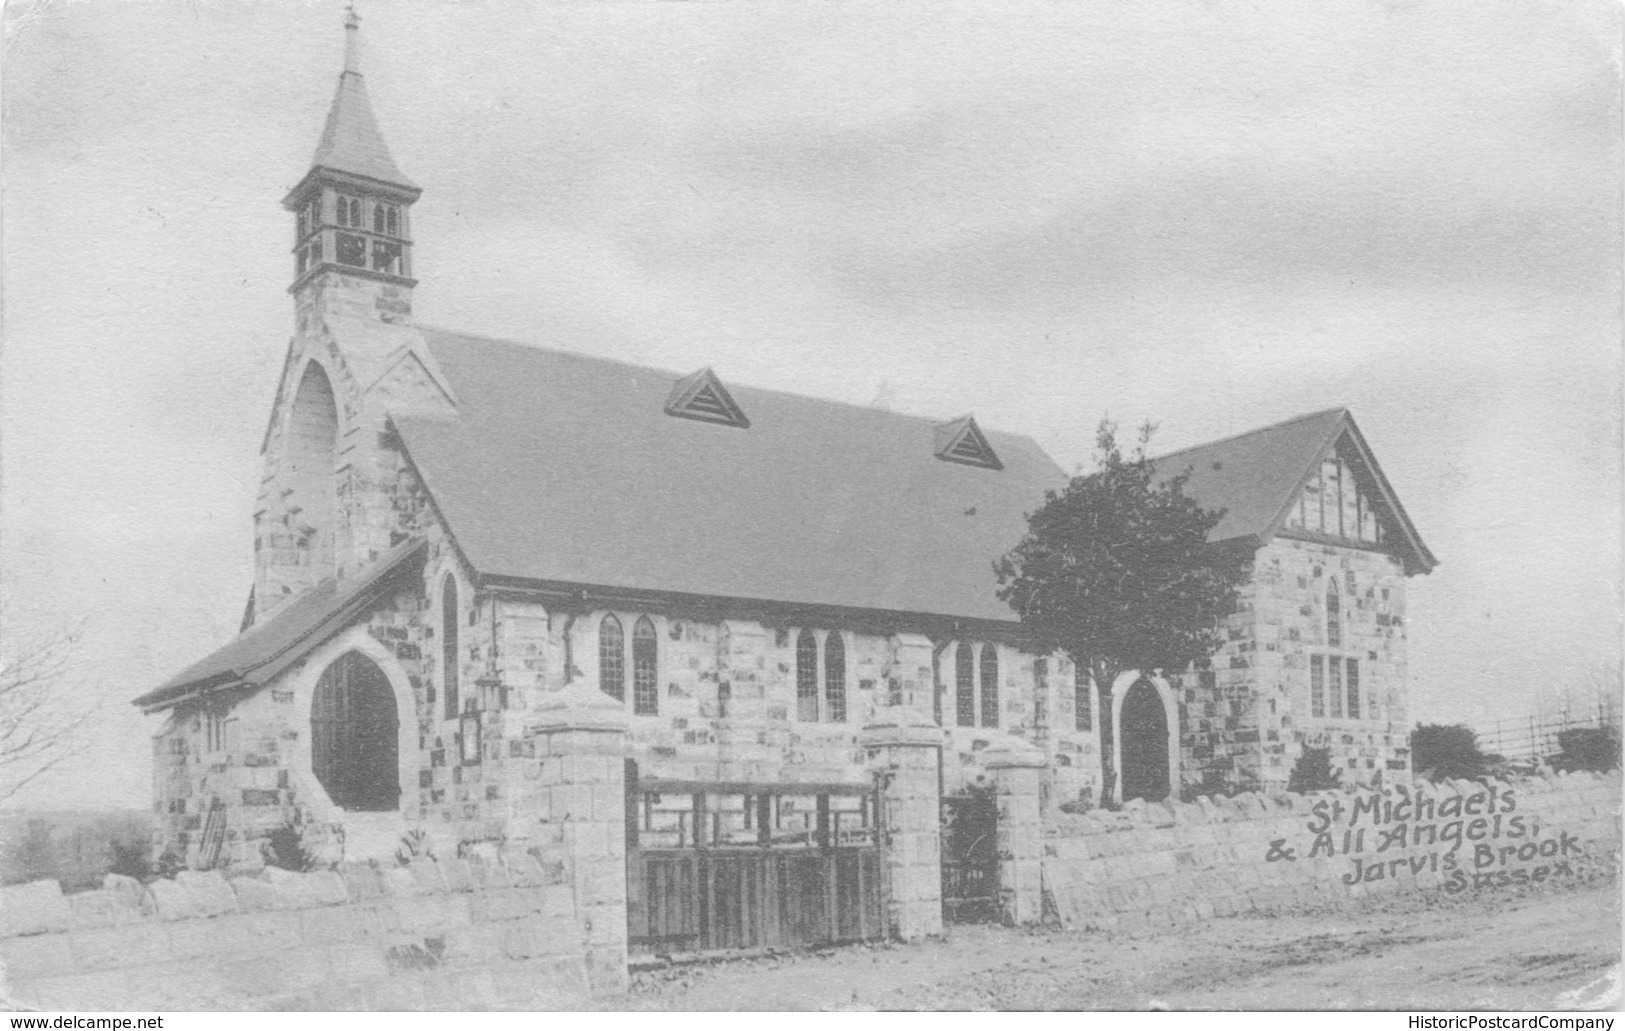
[[962, 441], [352, 252]]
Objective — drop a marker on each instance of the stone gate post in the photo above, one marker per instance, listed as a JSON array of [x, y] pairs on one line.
[[1016, 768], [905, 752], [581, 800]]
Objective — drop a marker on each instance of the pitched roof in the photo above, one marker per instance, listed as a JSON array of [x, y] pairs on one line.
[[262, 651], [351, 141], [1255, 477], [564, 468]]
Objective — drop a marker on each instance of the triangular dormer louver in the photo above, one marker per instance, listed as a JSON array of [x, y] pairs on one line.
[[702, 397], [962, 441]]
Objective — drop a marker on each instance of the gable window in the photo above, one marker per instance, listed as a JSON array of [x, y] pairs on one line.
[[1083, 717], [1334, 616], [353, 735], [612, 658], [990, 685], [645, 668], [965, 686], [449, 626], [835, 677], [1041, 692], [806, 676], [1317, 685], [1334, 684]]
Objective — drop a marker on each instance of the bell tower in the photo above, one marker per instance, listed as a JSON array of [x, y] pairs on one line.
[[352, 213]]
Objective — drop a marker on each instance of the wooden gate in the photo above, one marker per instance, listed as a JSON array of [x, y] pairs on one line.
[[970, 858], [722, 867]]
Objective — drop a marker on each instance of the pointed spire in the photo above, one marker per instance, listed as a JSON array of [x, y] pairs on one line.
[[351, 141]]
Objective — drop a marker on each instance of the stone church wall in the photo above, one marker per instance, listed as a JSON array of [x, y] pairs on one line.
[[1171, 862], [1245, 721], [453, 935]]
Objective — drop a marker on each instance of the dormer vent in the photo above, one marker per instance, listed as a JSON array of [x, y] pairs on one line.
[[962, 441], [702, 397]]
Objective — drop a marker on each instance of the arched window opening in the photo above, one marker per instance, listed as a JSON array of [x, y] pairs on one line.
[[806, 676], [394, 226], [965, 686], [612, 658], [353, 735], [377, 218], [355, 212], [1083, 717], [835, 677], [449, 650], [990, 685], [645, 668], [312, 451], [1334, 616]]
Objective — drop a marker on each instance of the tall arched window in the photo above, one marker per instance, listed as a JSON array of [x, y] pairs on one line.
[[990, 685], [450, 657], [645, 668], [806, 676], [612, 658], [1083, 717], [965, 686], [355, 212], [353, 742], [377, 218], [835, 677], [1334, 616], [311, 453]]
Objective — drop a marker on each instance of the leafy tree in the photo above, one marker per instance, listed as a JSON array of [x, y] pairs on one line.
[[1313, 772], [1116, 570], [285, 847], [1441, 752], [1587, 748]]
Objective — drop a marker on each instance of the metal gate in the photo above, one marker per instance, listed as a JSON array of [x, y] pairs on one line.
[[970, 858], [727, 866]]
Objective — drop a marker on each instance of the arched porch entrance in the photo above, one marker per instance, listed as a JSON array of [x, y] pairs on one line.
[[1146, 721]]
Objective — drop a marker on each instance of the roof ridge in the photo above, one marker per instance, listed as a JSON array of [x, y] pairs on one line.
[[930, 421], [1250, 433]]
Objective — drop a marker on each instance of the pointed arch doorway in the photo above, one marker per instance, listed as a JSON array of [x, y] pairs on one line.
[[1144, 744]]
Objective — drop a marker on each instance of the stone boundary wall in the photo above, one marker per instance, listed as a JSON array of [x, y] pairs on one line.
[[1169, 862], [454, 934]]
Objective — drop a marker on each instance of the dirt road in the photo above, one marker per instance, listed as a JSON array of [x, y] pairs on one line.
[[1494, 951]]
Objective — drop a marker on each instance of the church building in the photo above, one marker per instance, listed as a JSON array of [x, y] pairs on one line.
[[457, 538]]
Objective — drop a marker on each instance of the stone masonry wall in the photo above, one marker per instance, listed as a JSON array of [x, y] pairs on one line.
[[453, 935], [1171, 862], [1246, 719]]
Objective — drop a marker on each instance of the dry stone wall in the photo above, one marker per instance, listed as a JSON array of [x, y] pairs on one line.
[[1170, 862], [449, 935]]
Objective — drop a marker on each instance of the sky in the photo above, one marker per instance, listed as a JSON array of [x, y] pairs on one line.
[[1211, 214]]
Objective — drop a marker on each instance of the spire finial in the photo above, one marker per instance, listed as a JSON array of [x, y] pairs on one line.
[[352, 39]]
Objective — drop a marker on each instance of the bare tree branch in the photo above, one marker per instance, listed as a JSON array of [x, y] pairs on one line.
[[42, 717]]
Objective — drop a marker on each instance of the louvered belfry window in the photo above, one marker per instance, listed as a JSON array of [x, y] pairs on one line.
[[965, 686], [806, 676], [835, 677], [353, 728], [612, 658], [990, 685], [645, 668]]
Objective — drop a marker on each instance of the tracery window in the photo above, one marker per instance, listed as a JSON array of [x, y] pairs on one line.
[[1083, 717], [645, 668], [450, 624], [806, 676], [965, 686], [353, 735], [990, 685], [1334, 616], [612, 658], [835, 677]]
